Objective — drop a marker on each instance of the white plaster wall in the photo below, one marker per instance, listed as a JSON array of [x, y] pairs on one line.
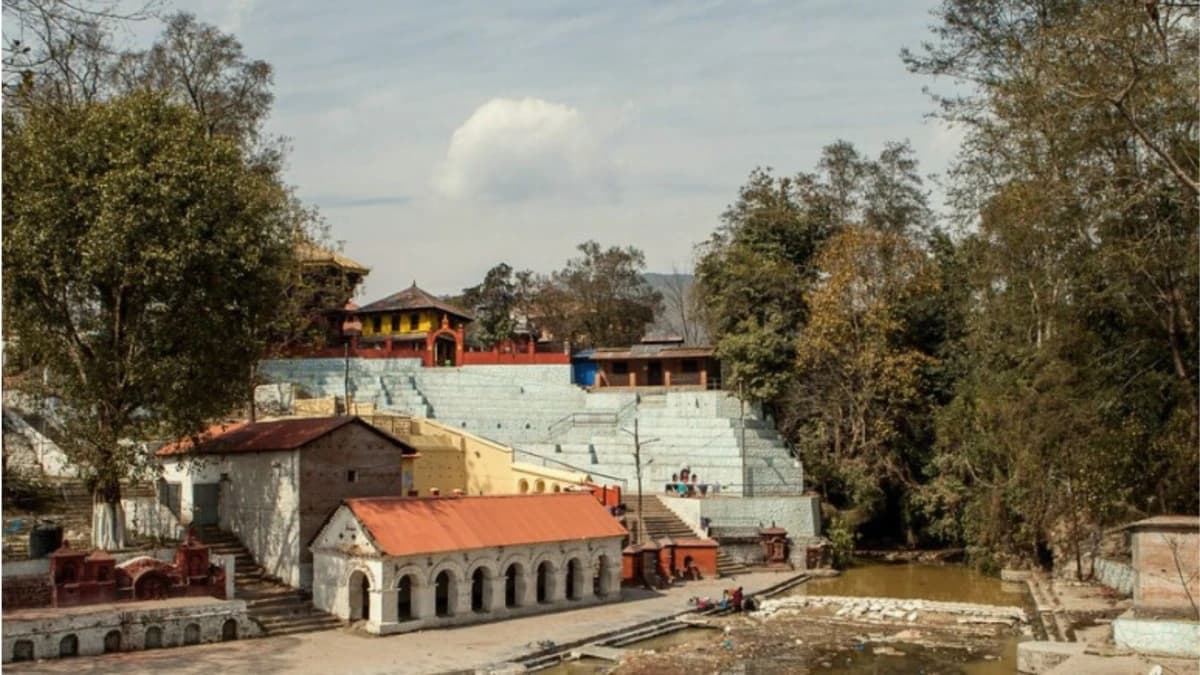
[[260, 503], [1157, 636], [187, 470], [333, 570], [27, 448], [46, 629], [800, 516], [146, 516]]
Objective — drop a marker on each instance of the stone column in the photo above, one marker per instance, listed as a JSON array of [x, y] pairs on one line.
[[376, 613], [387, 608], [558, 585], [529, 597], [229, 564], [424, 600], [494, 601]]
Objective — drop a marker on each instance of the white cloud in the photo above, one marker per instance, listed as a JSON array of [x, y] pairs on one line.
[[512, 150]]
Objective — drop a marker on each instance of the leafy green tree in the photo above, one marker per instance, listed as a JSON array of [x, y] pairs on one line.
[[599, 298], [857, 381], [753, 272], [494, 302], [140, 255], [1080, 404]]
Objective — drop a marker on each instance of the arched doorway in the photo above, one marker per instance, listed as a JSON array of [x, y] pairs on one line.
[[445, 590], [574, 579], [229, 630], [153, 637], [359, 588], [445, 350], [600, 576], [514, 585], [112, 641], [545, 582], [404, 598], [481, 590], [68, 646], [191, 634]]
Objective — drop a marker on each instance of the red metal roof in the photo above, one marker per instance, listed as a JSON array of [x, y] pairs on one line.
[[287, 434], [403, 526]]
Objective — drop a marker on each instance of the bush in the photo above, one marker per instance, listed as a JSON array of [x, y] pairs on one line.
[[842, 538]]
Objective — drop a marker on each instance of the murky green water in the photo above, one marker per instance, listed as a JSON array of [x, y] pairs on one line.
[[930, 582]]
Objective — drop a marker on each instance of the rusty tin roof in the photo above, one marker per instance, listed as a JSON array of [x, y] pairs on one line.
[[402, 526], [287, 434]]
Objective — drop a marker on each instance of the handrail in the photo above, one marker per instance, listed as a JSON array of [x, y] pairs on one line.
[[624, 482]]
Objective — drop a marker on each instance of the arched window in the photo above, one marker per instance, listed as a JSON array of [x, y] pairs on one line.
[[23, 650], [523, 486], [574, 579], [112, 641], [229, 630], [545, 582], [514, 585], [445, 590], [481, 590], [191, 634], [540, 486], [153, 637], [404, 598], [68, 646]]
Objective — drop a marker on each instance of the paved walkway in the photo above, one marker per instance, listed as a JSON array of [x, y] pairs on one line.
[[437, 651]]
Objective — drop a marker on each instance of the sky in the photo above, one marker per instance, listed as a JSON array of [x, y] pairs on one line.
[[439, 139]]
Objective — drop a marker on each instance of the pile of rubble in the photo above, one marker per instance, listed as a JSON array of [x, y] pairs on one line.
[[892, 610]]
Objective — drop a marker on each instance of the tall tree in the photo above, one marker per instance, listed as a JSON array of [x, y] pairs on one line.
[[1080, 168], [138, 249], [495, 302], [205, 69], [599, 298], [753, 272]]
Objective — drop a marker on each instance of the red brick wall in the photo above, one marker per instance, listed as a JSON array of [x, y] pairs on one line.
[[25, 592]]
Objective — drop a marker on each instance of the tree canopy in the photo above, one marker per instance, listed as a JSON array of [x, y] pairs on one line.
[[137, 251]]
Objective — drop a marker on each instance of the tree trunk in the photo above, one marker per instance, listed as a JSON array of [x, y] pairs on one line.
[[108, 518], [250, 407]]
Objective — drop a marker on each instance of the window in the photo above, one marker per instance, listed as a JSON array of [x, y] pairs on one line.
[[414, 321], [620, 368], [690, 366], [352, 476], [395, 323], [377, 324]]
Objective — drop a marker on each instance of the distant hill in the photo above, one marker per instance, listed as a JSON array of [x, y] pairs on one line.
[[673, 288]]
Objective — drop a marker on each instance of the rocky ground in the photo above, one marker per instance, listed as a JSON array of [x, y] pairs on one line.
[[838, 634]]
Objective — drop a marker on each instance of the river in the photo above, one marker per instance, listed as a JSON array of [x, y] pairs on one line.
[[947, 583]]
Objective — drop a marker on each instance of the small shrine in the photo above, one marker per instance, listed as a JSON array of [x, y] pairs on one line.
[[86, 578], [775, 546]]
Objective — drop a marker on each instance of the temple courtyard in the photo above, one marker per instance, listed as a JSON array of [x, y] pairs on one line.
[[451, 649]]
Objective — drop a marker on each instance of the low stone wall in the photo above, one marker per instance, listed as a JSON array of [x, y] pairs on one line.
[[98, 629], [1164, 637], [1116, 575], [735, 522]]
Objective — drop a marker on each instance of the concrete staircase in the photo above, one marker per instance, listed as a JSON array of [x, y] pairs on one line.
[[278, 609], [662, 522]]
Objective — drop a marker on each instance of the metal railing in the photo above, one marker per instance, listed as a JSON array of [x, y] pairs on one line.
[[547, 461]]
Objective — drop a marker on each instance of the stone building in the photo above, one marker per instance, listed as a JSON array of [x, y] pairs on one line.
[[403, 564], [273, 484]]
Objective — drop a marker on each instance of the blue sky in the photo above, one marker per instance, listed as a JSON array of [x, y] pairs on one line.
[[441, 138]]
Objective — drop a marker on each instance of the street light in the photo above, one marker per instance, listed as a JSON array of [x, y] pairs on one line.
[[637, 460]]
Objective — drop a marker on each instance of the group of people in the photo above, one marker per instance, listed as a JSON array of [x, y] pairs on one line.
[[686, 484], [733, 599]]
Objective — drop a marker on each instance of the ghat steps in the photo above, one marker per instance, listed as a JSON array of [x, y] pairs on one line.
[[278, 609]]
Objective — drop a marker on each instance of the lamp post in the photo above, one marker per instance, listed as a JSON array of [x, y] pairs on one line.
[[637, 460]]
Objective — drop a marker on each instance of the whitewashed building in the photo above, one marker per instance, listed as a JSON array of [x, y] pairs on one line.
[[402, 564]]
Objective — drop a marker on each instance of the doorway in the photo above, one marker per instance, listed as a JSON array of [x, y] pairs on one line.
[[205, 500], [654, 373]]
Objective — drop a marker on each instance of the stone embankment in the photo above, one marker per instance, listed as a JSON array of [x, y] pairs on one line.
[[893, 610]]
